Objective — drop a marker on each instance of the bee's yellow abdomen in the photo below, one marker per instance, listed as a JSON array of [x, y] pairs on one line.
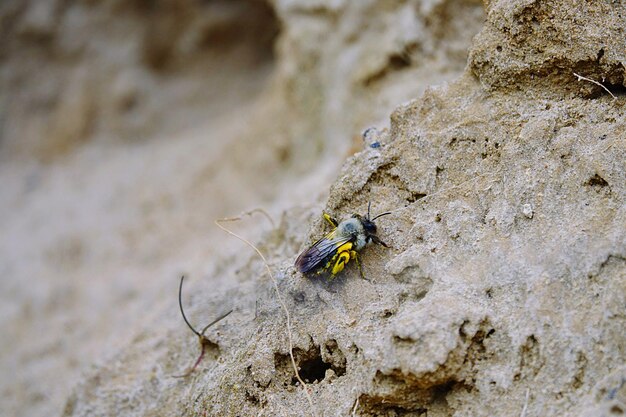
[[346, 247], [341, 259]]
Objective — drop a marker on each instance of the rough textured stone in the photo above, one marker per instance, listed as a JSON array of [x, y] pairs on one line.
[[503, 291], [538, 45]]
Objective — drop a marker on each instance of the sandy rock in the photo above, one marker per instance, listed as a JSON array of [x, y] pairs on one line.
[[540, 45], [503, 289]]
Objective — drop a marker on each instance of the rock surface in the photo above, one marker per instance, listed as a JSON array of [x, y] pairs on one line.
[[503, 291]]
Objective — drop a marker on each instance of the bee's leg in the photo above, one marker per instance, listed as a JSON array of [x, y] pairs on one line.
[[342, 260], [377, 240], [330, 220], [355, 255]]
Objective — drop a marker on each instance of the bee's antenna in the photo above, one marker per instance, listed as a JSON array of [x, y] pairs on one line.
[[369, 205], [381, 215], [180, 304]]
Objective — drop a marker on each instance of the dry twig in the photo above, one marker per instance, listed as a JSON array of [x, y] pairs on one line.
[[204, 342], [278, 294], [580, 77], [356, 406], [523, 414]]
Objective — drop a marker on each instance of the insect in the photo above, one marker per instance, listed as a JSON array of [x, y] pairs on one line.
[[331, 253]]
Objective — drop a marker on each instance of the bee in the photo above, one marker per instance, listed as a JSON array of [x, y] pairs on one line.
[[331, 253]]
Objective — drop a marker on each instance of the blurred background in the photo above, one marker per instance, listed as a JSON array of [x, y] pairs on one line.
[[128, 126]]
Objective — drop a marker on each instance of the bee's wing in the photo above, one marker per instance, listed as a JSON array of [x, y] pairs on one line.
[[316, 254]]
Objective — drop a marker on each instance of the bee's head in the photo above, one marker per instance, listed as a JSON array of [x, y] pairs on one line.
[[370, 227]]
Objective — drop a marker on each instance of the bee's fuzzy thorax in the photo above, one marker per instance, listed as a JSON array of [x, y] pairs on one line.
[[353, 227]]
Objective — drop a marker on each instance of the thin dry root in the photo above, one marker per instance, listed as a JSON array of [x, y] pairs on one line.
[[195, 365], [278, 295], [580, 77], [523, 414], [203, 340], [356, 406], [248, 213]]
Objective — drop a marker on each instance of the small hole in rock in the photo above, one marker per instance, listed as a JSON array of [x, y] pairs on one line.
[[299, 296], [313, 370], [414, 197], [399, 61], [387, 314], [597, 180], [617, 410], [252, 398]]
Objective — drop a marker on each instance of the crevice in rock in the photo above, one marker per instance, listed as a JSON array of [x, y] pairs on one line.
[[312, 369], [396, 61], [383, 175], [252, 398], [477, 350], [597, 181], [220, 27], [610, 75], [579, 377], [404, 397], [407, 392], [531, 361], [313, 364], [415, 196]]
